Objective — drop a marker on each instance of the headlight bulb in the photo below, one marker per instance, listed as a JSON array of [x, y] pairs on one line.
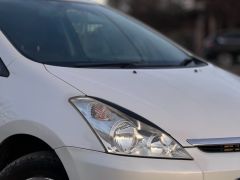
[[124, 136]]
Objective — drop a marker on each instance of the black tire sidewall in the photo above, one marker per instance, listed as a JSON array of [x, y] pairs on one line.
[[41, 164]]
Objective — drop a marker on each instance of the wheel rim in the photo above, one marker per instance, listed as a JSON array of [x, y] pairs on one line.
[[39, 178]]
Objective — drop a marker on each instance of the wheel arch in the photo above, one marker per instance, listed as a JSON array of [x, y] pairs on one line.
[[20, 138]]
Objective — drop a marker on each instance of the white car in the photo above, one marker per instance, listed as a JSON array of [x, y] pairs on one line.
[[87, 93]]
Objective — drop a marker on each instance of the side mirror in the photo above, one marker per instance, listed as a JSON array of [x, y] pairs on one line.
[[3, 69]]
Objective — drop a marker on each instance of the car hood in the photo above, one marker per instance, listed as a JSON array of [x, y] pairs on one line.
[[187, 103]]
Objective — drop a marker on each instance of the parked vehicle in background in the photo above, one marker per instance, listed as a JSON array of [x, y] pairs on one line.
[[223, 48]]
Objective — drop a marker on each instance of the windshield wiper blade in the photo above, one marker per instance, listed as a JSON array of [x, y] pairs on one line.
[[118, 64], [191, 60]]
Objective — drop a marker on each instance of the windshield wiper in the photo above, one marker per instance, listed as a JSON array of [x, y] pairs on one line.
[[117, 64], [190, 61]]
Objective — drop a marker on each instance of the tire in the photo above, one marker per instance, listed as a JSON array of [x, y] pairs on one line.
[[35, 166]]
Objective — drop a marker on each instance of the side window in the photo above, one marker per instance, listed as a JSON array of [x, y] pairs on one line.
[[3, 69]]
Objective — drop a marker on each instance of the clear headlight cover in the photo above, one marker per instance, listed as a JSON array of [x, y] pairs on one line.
[[124, 135]]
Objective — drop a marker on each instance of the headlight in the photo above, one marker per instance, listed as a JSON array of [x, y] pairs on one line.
[[125, 135]]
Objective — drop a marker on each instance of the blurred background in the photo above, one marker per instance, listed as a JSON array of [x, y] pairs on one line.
[[208, 28]]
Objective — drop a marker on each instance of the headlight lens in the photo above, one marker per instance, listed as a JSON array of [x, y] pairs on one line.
[[124, 135]]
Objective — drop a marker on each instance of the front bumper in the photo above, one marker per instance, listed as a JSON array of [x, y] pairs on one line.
[[83, 164]]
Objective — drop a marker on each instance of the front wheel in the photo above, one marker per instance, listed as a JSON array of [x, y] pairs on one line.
[[35, 166]]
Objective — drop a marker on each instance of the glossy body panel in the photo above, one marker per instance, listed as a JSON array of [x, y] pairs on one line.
[[28, 108], [82, 163], [185, 103]]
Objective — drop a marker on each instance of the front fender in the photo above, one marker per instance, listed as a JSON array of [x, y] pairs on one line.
[[35, 129]]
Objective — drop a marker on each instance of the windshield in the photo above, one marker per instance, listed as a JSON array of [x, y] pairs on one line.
[[74, 34]]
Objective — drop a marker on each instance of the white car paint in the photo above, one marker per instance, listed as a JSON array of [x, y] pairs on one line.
[[23, 89], [188, 103], [180, 101]]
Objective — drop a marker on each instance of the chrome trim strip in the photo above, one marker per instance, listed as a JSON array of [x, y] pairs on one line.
[[214, 141]]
